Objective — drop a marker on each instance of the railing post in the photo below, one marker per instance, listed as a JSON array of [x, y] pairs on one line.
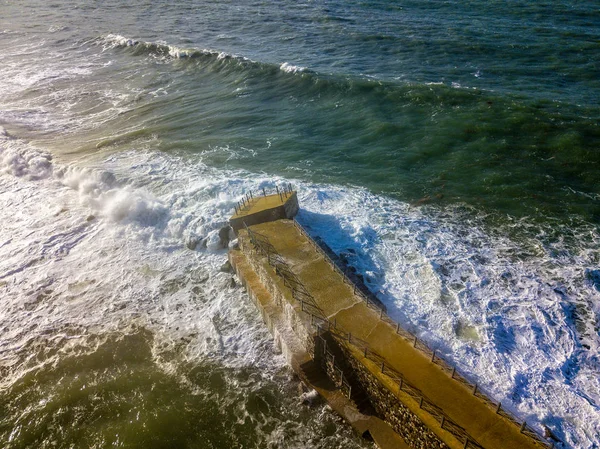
[[421, 402], [442, 423], [475, 389], [498, 408], [453, 372], [415, 342], [523, 426], [264, 193], [433, 357], [382, 366]]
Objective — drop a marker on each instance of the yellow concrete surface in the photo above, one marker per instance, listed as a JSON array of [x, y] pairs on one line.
[[301, 362], [338, 303], [261, 203]]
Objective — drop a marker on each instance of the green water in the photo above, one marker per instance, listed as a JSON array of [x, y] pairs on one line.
[[452, 146]]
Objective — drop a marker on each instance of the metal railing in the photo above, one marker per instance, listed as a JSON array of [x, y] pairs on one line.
[[282, 268], [435, 357], [320, 321], [329, 365], [250, 198], [341, 272]]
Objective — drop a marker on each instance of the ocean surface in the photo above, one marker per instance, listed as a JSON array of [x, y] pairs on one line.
[[452, 148]]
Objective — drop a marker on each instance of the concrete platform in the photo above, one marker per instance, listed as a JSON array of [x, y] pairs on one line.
[[264, 208], [303, 364], [338, 303]]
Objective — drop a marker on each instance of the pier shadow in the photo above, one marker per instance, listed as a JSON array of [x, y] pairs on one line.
[[349, 255]]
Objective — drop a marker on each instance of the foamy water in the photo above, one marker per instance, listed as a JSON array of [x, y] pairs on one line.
[[514, 314], [93, 259], [108, 245], [130, 134]]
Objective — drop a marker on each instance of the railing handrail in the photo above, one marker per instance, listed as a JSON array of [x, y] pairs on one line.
[[422, 346], [276, 260], [249, 198]]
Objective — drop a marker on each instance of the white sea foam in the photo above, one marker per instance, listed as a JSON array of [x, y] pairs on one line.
[[82, 247], [515, 317], [116, 40], [290, 68], [92, 247], [23, 162]]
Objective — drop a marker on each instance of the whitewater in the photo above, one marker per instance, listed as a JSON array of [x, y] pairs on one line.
[[108, 246], [127, 137]]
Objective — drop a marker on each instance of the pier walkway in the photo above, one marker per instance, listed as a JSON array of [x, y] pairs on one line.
[[442, 399]]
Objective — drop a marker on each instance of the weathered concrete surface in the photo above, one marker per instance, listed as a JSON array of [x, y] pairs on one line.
[[339, 303], [281, 323], [267, 208]]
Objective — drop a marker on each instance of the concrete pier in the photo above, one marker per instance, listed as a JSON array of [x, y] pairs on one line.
[[383, 380]]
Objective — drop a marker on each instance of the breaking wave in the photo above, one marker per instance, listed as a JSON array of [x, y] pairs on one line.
[[218, 59], [510, 304]]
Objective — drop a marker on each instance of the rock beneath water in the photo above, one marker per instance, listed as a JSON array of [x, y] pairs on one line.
[[310, 398], [192, 242], [232, 283], [226, 268], [224, 236]]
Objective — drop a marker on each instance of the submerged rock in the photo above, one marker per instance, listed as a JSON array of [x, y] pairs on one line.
[[224, 236], [192, 242], [310, 398], [226, 268]]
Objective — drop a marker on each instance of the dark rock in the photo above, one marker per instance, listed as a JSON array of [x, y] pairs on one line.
[[192, 242], [232, 283], [90, 218], [226, 268], [224, 236]]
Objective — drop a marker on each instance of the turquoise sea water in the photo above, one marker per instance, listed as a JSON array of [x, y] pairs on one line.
[[452, 145]]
